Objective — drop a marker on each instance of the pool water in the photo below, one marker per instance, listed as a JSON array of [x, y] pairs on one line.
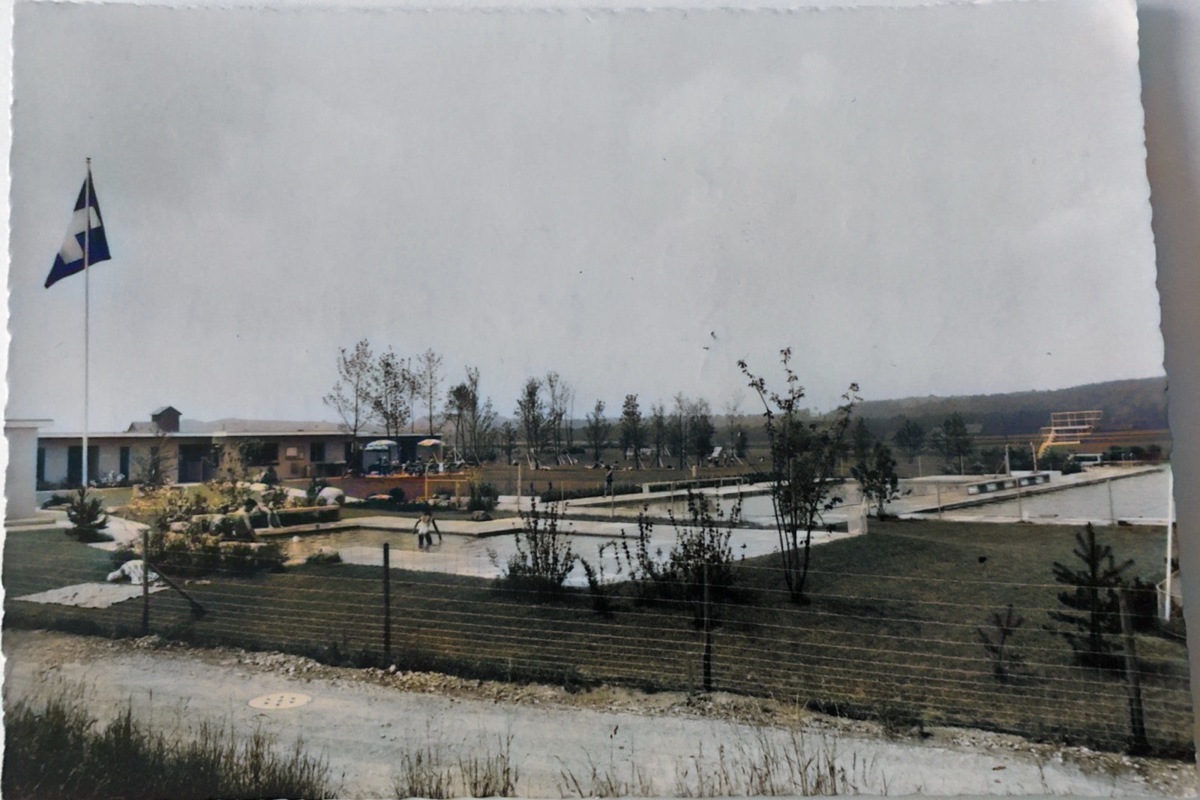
[[487, 557]]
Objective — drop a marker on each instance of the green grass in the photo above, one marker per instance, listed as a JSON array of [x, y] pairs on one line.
[[55, 749], [890, 633]]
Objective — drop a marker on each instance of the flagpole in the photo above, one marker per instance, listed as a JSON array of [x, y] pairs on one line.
[[87, 231]]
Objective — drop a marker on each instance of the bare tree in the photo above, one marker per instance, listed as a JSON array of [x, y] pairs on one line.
[[556, 409], [473, 421], [658, 431], [351, 394], [388, 389], [531, 410], [804, 456], [429, 365], [678, 432], [733, 412], [597, 429], [413, 389]]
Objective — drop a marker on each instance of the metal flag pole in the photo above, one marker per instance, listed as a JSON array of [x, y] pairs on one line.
[[87, 231]]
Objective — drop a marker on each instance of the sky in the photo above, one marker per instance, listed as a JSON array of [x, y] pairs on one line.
[[939, 200]]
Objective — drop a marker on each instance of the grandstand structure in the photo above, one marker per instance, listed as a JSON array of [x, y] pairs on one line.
[[1068, 428]]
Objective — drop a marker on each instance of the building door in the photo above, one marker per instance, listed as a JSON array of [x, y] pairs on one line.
[[93, 462], [193, 459], [124, 465], [74, 465]]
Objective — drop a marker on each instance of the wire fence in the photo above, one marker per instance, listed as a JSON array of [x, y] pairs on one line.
[[892, 628]]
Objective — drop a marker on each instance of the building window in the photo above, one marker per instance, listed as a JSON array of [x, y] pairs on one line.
[[316, 452]]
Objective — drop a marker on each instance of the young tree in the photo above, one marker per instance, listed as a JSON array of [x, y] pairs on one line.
[[531, 410], [861, 440], [733, 411], [1094, 602], [153, 470], [474, 422], [413, 389], [700, 430], [87, 517], [910, 438], [351, 395], [508, 440], [597, 429], [878, 478], [658, 432], [458, 401], [388, 388], [429, 364], [557, 395], [633, 432], [955, 442], [803, 458], [677, 431], [998, 643]]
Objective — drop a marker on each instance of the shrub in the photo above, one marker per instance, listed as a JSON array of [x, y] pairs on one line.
[[323, 556], [701, 556], [544, 556], [314, 489], [56, 501], [87, 517], [997, 643], [276, 497], [483, 497]]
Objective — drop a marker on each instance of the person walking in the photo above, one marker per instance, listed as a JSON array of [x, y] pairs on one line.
[[425, 528], [608, 480]]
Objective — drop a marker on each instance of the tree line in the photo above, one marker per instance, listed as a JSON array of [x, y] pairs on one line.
[[389, 391]]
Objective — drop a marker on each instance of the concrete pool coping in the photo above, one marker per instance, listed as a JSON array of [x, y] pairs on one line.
[[495, 527]]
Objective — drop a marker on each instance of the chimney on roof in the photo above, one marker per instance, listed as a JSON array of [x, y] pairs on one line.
[[166, 418]]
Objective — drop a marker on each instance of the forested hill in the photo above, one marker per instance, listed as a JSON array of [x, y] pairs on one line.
[[1127, 405]]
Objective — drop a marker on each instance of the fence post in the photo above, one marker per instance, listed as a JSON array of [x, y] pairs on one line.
[[1137, 722], [387, 604], [146, 582]]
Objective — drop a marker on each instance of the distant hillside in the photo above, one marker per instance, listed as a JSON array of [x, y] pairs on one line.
[[1127, 405]]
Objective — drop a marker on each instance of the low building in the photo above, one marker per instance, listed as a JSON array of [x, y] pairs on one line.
[[191, 449]]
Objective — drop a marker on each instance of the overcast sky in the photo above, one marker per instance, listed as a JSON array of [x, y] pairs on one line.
[[931, 200]]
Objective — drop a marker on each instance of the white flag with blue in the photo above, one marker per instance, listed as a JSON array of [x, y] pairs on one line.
[[85, 233]]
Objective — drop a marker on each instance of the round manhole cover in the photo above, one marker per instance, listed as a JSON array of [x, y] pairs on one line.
[[277, 700]]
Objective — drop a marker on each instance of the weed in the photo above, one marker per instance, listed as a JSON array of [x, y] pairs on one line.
[[57, 749], [428, 773]]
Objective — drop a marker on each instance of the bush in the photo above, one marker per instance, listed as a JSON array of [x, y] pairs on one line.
[[544, 556], [700, 558], [483, 497], [323, 556], [56, 501], [87, 517]]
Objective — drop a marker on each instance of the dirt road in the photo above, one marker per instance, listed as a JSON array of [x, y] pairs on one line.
[[364, 722]]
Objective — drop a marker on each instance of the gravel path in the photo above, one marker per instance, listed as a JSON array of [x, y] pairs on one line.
[[364, 722]]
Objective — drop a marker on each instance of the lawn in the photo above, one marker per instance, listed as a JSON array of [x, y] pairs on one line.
[[890, 632]]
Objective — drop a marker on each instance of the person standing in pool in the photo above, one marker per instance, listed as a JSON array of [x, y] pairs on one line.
[[425, 528]]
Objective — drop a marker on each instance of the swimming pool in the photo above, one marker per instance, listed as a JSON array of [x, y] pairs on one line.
[[486, 557]]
